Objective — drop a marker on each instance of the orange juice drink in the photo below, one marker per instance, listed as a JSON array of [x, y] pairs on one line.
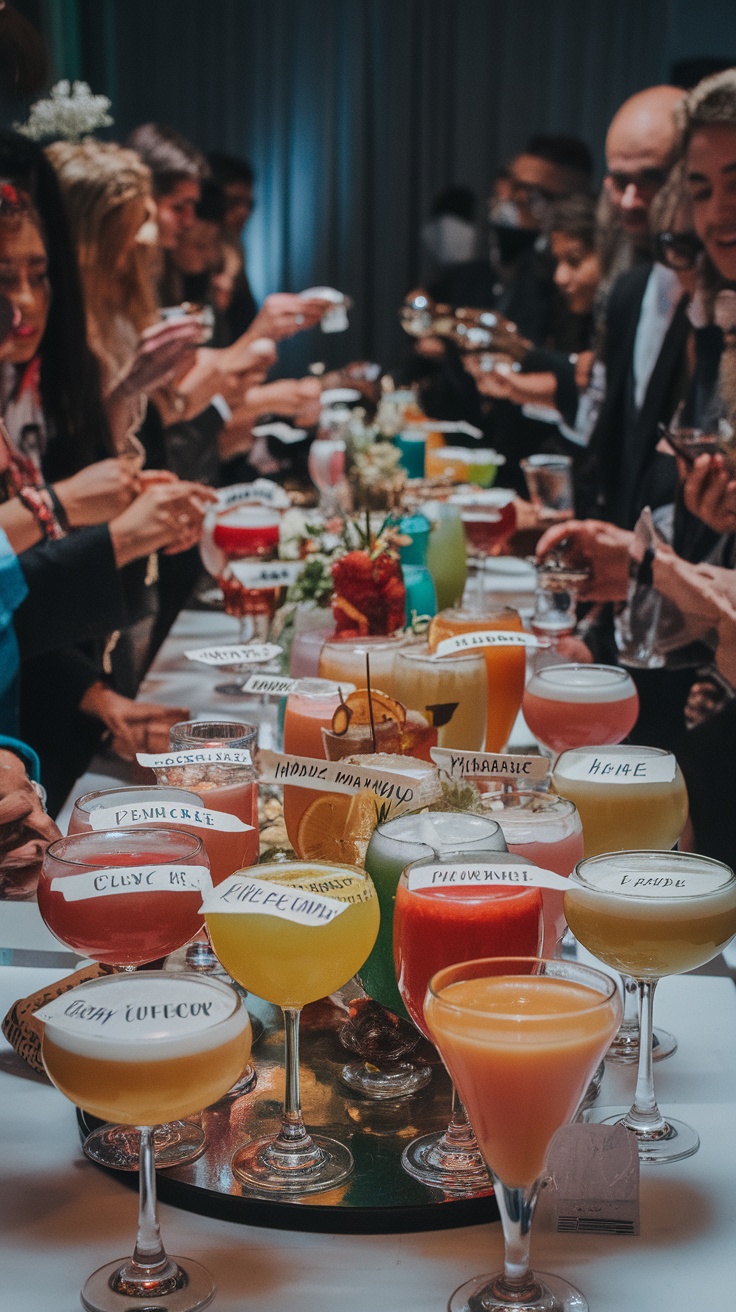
[[521, 1049], [505, 666], [309, 710]]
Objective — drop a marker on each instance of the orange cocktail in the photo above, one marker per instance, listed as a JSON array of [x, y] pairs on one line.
[[505, 666], [309, 710]]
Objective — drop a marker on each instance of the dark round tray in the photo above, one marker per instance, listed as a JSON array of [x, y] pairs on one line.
[[378, 1198]]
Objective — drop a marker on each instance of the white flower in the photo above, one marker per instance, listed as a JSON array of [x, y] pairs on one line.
[[71, 112]]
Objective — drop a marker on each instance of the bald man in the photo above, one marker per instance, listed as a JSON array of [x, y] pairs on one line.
[[641, 146]]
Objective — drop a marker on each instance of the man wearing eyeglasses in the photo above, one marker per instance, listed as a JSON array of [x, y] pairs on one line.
[[641, 145]]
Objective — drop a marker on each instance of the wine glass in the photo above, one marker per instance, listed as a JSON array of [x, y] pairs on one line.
[[126, 897], [489, 521], [510, 1031], [237, 543], [436, 926], [293, 932], [148, 1047], [650, 914], [326, 464]]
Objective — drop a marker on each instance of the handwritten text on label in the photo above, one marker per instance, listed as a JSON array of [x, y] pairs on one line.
[[201, 756], [114, 880], [489, 764], [119, 1011], [337, 777], [489, 638], [246, 653], [615, 768], [239, 895], [178, 813], [498, 872]]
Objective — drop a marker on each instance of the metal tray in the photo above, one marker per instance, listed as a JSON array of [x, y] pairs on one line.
[[379, 1197]]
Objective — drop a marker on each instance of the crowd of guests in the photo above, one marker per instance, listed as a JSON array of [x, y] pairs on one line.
[[134, 366]]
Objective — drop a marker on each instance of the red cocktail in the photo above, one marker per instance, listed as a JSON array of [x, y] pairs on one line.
[[233, 542], [580, 705], [124, 897]]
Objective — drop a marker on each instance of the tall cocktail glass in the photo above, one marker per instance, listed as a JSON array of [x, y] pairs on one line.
[[437, 925], [576, 705], [505, 666], [170, 1046], [293, 932], [629, 799], [431, 686], [447, 559], [309, 708], [521, 1039], [546, 831], [650, 914]]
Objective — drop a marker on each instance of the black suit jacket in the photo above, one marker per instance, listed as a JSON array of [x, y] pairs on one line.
[[623, 472], [530, 299]]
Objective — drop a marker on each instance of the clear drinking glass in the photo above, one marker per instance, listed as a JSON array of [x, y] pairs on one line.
[[576, 705], [489, 520], [149, 1070], [508, 1030], [650, 914], [291, 956], [435, 926], [125, 930], [234, 540], [453, 691], [549, 482]]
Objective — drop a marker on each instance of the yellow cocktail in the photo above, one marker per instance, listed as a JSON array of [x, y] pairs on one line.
[[521, 1038], [650, 914], [292, 932], [628, 798], [425, 683], [145, 1049]]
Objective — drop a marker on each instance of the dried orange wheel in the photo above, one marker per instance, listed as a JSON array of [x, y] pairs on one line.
[[384, 707], [337, 827]]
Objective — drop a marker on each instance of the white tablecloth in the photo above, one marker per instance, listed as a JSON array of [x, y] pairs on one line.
[[60, 1217]]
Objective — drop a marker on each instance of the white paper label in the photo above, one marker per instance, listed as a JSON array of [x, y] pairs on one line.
[[279, 574], [337, 777], [177, 813], [203, 756], [488, 638], [655, 885], [238, 895], [270, 684], [263, 491], [496, 872], [114, 880], [247, 653], [489, 765], [138, 1009], [282, 432], [615, 768]]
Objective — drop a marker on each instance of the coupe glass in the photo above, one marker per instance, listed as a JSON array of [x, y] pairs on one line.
[[577, 705], [291, 957], [125, 930], [509, 1031], [150, 1071], [435, 926], [650, 914], [626, 812]]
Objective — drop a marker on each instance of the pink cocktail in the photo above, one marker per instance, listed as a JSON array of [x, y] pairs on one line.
[[545, 830], [128, 918], [580, 705]]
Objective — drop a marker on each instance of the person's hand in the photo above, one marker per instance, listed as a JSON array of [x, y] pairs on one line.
[[25, 830], [503, 384], [690, 587], [290, 397], [284, 313], [166, 348], [597, 546], [133, 726], [709, 492], [98, 493], [583, 369], [166, 516]]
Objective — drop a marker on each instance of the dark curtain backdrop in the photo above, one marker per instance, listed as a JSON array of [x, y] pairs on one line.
[[356, 112]]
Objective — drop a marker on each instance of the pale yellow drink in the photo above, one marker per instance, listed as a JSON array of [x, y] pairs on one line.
[[343, 661], [163, 1068], [421, 682], [283, 960], [650, 914], [620, 810]]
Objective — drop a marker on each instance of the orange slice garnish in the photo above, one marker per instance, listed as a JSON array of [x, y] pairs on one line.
[[383, 706], [337, 827]]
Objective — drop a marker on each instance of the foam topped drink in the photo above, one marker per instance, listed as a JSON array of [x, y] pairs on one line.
[[650, 914], [124, 897], [575, 705], [629, 798], [147, 1048]]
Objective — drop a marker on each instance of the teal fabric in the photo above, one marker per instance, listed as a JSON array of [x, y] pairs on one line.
[[26, 754], [13, 590]]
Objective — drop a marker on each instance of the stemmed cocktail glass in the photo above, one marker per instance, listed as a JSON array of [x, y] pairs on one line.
[[576, 705], [125, 920], [629, 799], [293, 932], [489, 520], [650, 914], [437, 924], [236, 540], [170, 1046], [521, 1038]]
